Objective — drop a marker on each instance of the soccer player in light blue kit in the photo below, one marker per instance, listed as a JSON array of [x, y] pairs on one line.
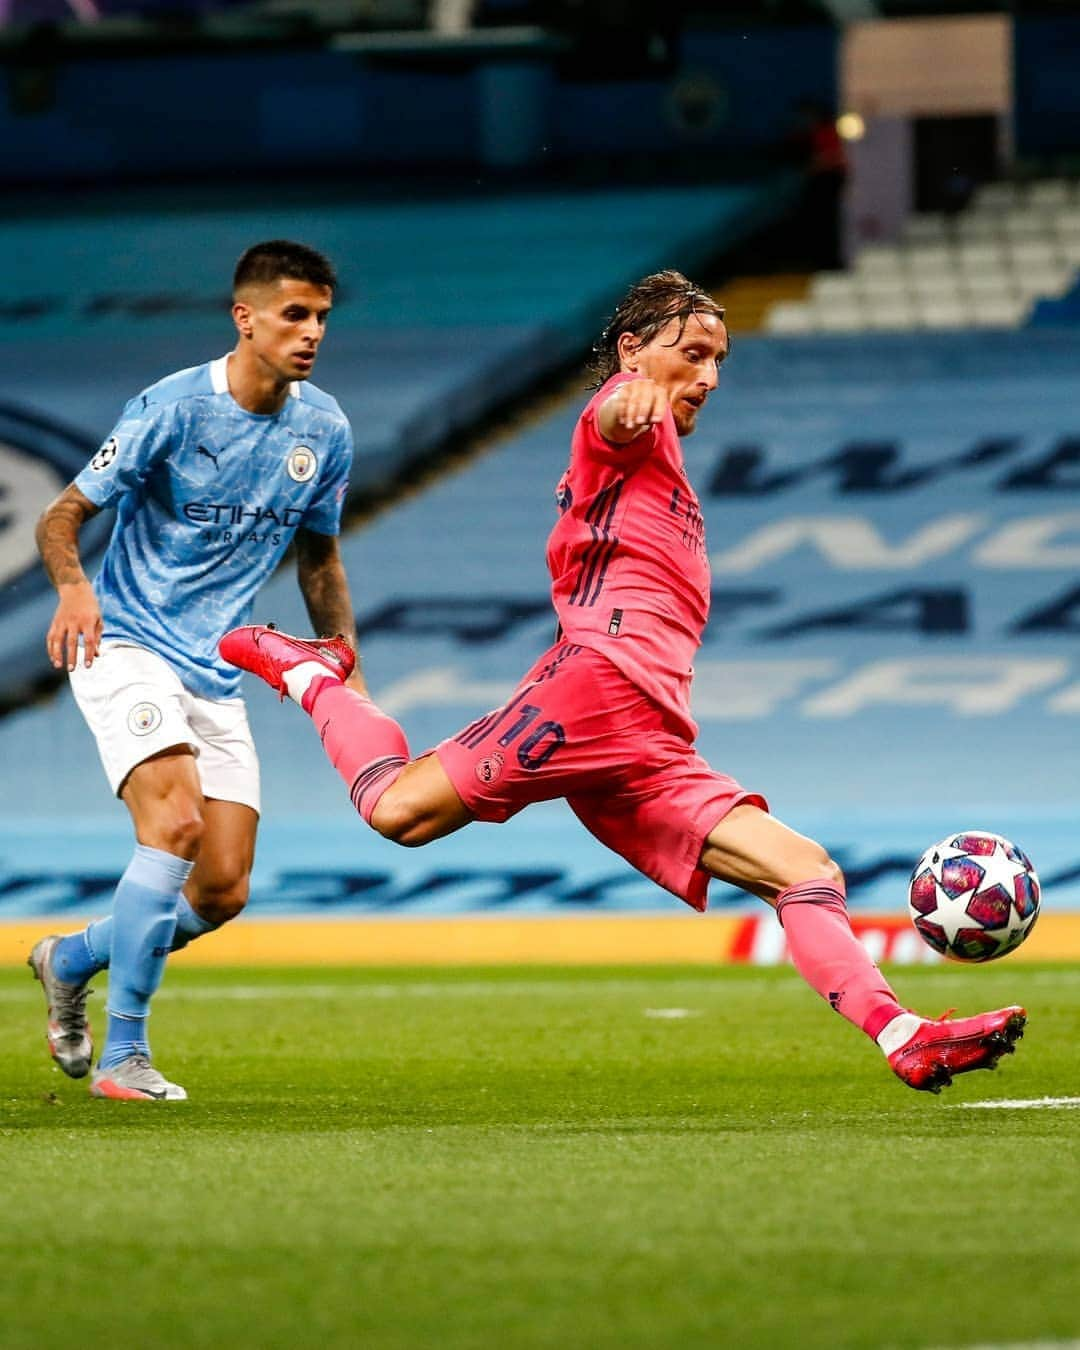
[[214, 471]]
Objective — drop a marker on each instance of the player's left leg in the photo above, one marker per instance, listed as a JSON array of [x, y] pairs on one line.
[[218, 887], [756, 852], [752, 850]]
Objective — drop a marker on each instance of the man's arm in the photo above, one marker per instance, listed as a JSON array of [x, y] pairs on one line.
[[77, 613], [325, 589], [633, 408]]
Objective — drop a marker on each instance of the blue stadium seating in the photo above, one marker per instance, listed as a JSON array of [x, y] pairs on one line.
[[894, 528], [448, 308]]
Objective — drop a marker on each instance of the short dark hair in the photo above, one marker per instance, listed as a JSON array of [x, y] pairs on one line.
[[647, 306], [279, 259]]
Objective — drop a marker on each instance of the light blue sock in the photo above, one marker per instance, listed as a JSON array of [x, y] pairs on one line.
[[189, 925], [144, 922], [81, 956]]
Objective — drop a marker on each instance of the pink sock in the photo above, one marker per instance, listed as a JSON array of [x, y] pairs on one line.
[[831, 959], [366, 747]]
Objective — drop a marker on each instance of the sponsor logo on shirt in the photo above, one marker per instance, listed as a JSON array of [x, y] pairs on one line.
[[239, 513], [301, 464]]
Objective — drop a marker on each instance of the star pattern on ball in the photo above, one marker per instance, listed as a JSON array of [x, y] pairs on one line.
[[974, 896]]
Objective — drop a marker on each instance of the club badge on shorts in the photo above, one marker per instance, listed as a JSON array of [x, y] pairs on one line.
[[143, 719], [301, 464]]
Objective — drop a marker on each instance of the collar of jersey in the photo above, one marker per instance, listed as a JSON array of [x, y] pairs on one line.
[[219, 380]]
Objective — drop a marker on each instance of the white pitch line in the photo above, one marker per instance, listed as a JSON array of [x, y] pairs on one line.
[[672, 1014], [1020, 1104], [1016, 1345]]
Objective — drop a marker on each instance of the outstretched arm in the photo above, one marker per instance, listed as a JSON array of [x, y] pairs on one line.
[[77, 614], [633, 408], [325, 589]]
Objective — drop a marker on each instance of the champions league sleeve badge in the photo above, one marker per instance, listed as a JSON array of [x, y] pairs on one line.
[[106, 455]]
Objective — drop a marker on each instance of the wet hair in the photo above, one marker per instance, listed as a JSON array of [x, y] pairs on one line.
[[282, 259], [644, 310]]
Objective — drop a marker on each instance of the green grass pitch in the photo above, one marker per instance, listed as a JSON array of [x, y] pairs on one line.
[[629, 1158]]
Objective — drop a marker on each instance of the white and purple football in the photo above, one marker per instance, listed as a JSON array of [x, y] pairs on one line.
[[974, 897]]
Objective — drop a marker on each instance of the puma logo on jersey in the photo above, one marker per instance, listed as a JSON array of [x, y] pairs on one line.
[[211, 455]]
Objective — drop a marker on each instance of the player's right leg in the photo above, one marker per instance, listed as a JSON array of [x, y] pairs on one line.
[[134, 705], [409, 801], [67, 1028]]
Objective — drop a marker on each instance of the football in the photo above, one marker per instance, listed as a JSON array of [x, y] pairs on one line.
[[974, 897]]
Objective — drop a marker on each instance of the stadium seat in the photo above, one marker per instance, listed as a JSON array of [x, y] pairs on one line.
[[1050, 192], [1001, 311], [935, 285], [976, 254], [789, 316], [1038, 253], [994, 196], [929, 258], [975, 224], [879, 259], [1065, 222], [943, 312], [838, 316], [1026, 224], [1051, 279], [875, 287], [830, 286], [896, 316], [929, 228], [990, 281]]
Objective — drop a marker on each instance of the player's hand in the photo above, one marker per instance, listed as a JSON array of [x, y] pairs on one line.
[[77, 616], [633, 408]]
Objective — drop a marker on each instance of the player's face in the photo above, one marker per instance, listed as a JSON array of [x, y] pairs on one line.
[[686, 364], [287, 322]]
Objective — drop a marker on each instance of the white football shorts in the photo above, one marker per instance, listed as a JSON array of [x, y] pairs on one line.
[[136, 706]]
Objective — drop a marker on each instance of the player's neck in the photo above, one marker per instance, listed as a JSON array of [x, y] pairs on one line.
[[255, 388]]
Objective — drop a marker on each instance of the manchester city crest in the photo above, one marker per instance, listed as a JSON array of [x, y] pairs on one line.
[[143, 719], [301, 464]]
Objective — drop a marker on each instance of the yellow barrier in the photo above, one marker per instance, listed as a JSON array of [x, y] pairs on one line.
[[583, 939]]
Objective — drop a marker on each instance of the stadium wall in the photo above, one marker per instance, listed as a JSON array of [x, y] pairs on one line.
[[73, 115]]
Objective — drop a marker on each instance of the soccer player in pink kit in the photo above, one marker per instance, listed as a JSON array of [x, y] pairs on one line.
[[603, 717]]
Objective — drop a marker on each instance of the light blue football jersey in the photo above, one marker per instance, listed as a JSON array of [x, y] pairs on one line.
[[208, 497]]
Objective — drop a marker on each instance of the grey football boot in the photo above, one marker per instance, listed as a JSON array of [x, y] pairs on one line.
[[135, 1080], [70, 1043]]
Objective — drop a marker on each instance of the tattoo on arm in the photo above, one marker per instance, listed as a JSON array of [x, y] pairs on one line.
[[57, 536], [324, 585]]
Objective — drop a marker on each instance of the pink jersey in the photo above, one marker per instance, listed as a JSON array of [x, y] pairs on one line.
[[628, 563]]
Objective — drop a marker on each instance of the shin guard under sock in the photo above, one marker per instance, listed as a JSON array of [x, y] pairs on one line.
[[144, 921], [368, 748], [831, 959]]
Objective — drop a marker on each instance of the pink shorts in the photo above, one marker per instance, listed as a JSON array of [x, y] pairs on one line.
[[577, 728]]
